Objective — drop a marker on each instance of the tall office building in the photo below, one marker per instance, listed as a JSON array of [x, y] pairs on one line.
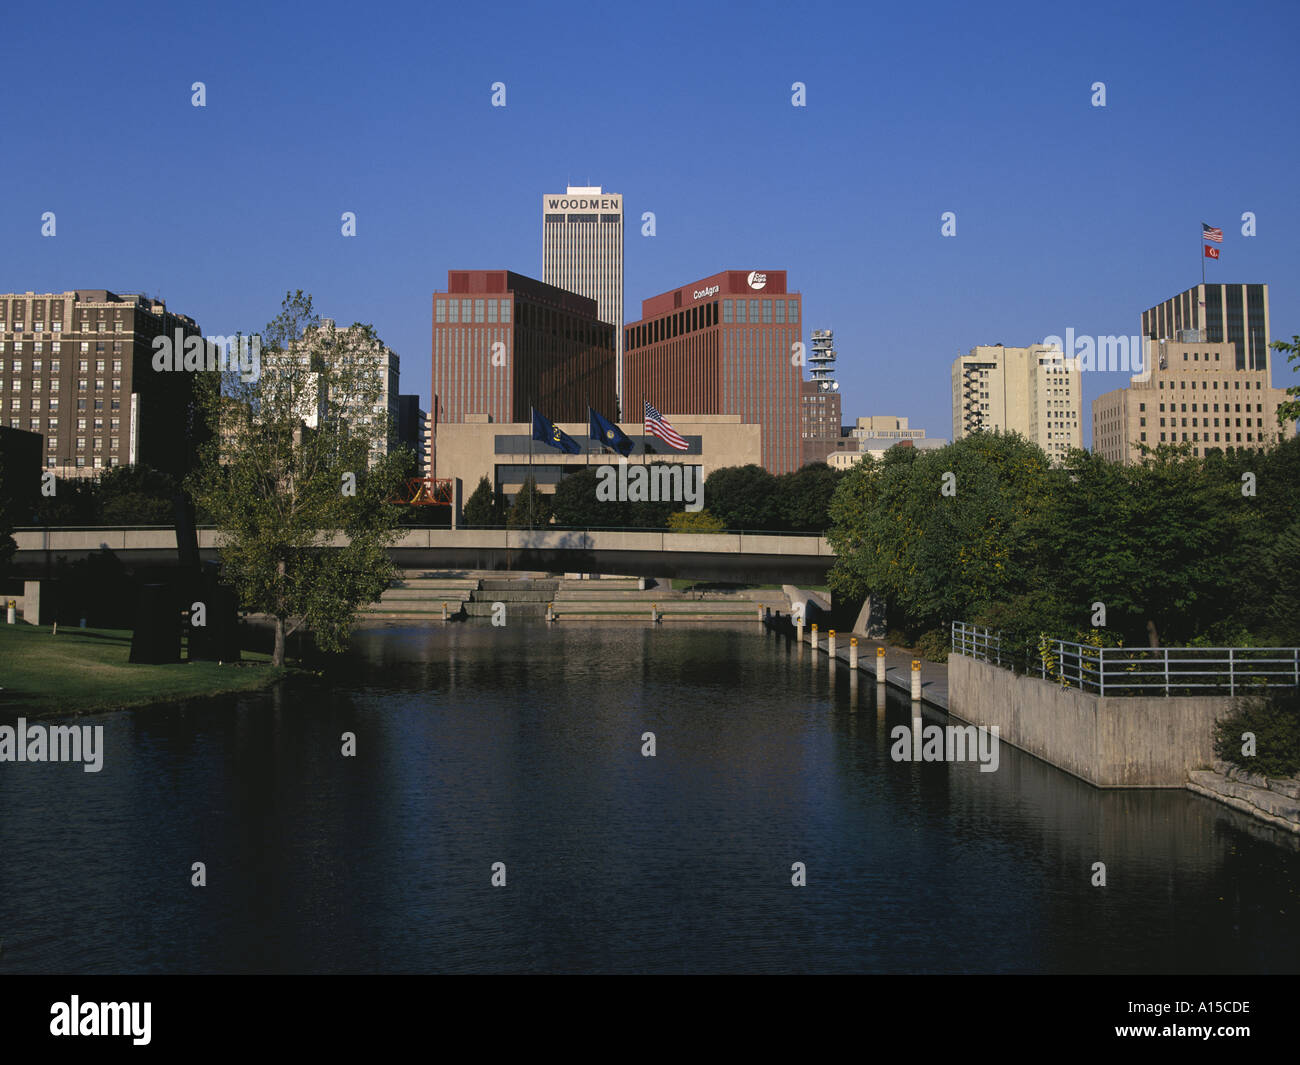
[[1216, 314], [77, 367], [819, 402], [1033, 391], [723, 345], [1195, 393], [503, 342], [582, 252]]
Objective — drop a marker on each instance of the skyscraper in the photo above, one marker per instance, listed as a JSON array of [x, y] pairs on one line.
[[819, 419], [582, 252], [503, 342], [1217, 314], [724, 345]]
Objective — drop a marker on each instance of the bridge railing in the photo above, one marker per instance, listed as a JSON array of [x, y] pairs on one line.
[[1137, 670]]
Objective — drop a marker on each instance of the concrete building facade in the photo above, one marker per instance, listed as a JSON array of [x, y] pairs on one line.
[[1194, 394], [582, 252], [77, 367], [506, 454], [723, 345], [503, 342], [1034, 391]]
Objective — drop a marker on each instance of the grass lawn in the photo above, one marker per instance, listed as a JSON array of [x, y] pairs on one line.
[[87, 669]]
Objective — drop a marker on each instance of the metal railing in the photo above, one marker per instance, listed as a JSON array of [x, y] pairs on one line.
[[1136, 670]]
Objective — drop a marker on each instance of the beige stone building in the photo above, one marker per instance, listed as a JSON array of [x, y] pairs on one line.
[[1193, 394], [505, 453], [1034, 391]]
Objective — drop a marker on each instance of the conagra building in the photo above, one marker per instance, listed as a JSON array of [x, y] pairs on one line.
[[723, 345]]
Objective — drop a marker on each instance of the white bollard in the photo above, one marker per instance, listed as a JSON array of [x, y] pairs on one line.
[[853, 654], [916, 680], [654, 613], [830, 644], [798, 631], [444, 611], [13, 616], [880, 665], [813, 638]]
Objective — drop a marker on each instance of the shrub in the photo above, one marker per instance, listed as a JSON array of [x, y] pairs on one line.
[[1274, 719], [933, 645], [700, 521]]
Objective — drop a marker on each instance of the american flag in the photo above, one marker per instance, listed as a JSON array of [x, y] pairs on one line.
[[1210, 233], [656, 426]]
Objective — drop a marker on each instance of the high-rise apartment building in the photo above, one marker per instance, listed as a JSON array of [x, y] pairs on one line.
[[1033, 391], [78, 368], [723, 345], [503, 342], [582, 252], [1217, 314], [1195, 393]]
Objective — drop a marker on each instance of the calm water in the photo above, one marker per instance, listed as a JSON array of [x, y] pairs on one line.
[[523, 745]]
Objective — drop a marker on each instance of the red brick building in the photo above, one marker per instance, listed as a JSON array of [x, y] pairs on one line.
[[502, 341], [723, 345]]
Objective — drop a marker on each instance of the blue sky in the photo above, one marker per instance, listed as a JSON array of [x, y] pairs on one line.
[[1067, 215]]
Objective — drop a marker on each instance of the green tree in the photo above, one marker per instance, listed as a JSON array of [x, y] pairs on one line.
[[531, 508], [281, 492], [744, 497], [577, 506], [804, 497], [135, 495], [483, 506], [941, 534], [1289, 411]]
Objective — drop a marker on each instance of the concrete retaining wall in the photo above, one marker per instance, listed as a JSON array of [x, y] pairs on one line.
[[1129, 742]]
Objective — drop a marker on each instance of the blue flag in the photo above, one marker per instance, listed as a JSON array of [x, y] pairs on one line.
[[608, 433], [548, 432]]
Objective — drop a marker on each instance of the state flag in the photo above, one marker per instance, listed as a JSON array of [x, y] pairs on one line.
[[550, 434], [1211, 252], [607, 433]]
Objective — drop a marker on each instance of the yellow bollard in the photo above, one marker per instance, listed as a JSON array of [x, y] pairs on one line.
[[830, 644], [880, 665], [916, 680], [853, 653], [813, 638]]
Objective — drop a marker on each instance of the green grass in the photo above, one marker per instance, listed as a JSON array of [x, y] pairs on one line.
[[83, 670]]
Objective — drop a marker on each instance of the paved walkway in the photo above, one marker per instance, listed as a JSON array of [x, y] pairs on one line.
[[898, 666]]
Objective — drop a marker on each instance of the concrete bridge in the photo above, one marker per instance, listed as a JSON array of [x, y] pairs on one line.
[[739, 557]]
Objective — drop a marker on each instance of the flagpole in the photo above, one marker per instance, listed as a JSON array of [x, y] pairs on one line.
[[1202, 251], [644, 438]]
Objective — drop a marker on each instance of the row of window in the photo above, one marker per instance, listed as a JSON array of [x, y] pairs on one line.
[[471, 310], [1206, 386], [38, 347], [83, 384], [83, 365], [1206, 421], [87, 326], [16, 404]]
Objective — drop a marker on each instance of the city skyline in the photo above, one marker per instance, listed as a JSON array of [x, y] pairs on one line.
[[1108, 235]]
